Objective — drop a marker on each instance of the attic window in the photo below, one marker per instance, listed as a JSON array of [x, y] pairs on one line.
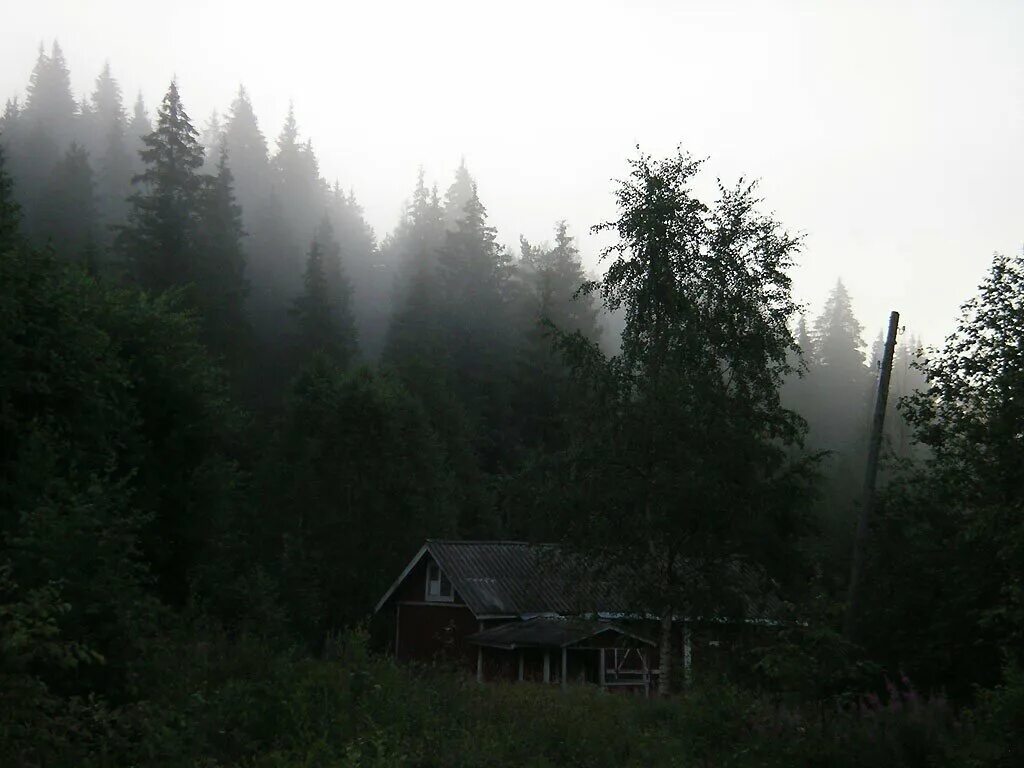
[[439, 588]]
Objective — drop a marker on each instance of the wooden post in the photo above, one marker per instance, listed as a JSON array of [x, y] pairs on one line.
[[665, 654], [480, 659], [853, 597], [398, 614], [565, 667], [687, 653], [600, 669], [547, 666], [520, 665]]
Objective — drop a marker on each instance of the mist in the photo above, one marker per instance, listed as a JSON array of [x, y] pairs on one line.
[[886, 132], [552, 384]]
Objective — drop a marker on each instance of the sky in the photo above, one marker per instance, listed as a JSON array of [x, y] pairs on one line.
[[888, 133]]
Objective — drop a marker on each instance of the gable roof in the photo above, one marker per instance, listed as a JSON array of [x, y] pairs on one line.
[[516, 579], [512, 579]]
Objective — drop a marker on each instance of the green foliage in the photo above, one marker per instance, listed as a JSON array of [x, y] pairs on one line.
[[991, 738], [221, 286], [360, 483], [66, 216], [158, 243], [679, 443], [166, 564]]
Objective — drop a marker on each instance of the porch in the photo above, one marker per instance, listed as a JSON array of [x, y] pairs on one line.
[[555, 650]]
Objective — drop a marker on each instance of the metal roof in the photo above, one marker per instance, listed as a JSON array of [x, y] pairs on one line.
[[514, 578], [549, 632], [505, 579]]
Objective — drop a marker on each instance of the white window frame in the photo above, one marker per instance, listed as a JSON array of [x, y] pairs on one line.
[[439, 597]]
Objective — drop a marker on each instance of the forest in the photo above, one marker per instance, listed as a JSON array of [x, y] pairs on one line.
[[230, 412]]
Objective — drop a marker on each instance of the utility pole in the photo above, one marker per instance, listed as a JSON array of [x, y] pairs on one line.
[[853, 598]]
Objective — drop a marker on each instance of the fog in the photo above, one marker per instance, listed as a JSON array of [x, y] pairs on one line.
[[565, 314], [889, 133]]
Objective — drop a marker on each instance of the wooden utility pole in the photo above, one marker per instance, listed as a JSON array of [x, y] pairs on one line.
[[853, 598]]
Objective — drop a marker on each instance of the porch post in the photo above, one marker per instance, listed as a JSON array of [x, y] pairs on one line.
[[398, 618], [600, 669], [687, 651], [520, 665], [547, 666], [480, 659], [565, 666]]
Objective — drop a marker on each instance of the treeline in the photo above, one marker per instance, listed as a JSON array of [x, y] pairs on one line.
[[228, 415]]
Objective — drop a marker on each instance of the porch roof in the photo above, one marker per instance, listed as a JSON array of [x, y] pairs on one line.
[[551, 632]]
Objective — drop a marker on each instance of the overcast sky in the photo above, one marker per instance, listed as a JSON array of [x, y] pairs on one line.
[[890, 133]]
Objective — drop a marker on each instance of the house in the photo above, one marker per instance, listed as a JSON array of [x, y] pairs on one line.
[[510, 610]]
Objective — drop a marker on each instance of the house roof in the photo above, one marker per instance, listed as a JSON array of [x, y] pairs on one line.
[[513, 579], [550, 632], [505, 579]]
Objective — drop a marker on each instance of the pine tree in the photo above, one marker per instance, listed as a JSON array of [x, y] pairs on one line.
[[10, 211], [212, 141], [220, 274], [804, 339], [249, 158], [359, 481], [474, 273], [50, 105], [461, 191], [413, 341], [843, 379], [339, 291], [66, 215], [297, 178], [158, 242], [549, 282], [110, 148], [313, 310], [138, 128], [418, 350], [838, 335], [274, 269], [47, 125], [371, 273]]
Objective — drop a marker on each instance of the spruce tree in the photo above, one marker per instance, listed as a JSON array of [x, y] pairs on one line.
[[474, 271], [297, 178], [461, 191], [371, 273], [249, 158], [138, 128], [550, 302], [313, 310], [10, 211], [339, 290], [808, 349], [110, 149], [220, 273], [212, 141], [158, 242], [50, 105], [47, 125], [843, 381], [66, 215], [413, 342]]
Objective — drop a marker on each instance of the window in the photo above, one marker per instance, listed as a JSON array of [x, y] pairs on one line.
[[439, 588]]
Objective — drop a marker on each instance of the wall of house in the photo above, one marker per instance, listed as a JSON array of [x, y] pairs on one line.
[[429, 631], [435, 632]]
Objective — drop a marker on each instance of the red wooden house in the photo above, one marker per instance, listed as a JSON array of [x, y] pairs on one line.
[[514, 611]]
